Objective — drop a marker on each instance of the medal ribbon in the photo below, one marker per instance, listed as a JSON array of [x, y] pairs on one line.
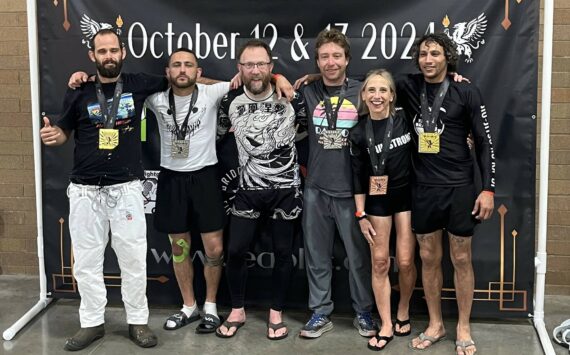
[[430, 118], [181, 131], [378, 161], [109, 116], [332, 115]]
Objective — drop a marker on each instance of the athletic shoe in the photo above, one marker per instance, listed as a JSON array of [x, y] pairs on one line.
[[316, 326], [365, 324]]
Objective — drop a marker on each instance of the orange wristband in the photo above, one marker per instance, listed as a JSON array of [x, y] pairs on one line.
[[489, 192]]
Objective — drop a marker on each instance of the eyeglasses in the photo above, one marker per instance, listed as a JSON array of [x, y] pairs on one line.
[[250, 66]]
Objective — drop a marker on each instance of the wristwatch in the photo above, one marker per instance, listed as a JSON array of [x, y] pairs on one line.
[[360, 215]]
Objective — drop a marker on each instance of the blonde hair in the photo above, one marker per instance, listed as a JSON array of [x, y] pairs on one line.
[[362, 107]]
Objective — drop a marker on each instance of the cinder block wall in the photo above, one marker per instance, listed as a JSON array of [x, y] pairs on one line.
[[17, 204]]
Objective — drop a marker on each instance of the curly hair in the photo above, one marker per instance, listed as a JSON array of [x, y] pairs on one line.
[[332, 36], [445, 42]]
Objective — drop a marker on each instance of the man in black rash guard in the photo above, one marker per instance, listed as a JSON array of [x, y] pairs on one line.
[[444, 197], [264, 128]]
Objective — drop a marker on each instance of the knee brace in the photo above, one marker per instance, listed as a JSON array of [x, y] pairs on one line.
[[185, 250], [213, 262]]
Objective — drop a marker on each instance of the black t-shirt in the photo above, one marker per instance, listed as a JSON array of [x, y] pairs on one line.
[[398, 159], [462, 111], [81, 113]]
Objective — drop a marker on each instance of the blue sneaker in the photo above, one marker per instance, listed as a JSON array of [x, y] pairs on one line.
[[366, 326], [316, 326]]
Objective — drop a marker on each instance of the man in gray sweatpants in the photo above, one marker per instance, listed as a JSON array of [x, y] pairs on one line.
[[329, 201]]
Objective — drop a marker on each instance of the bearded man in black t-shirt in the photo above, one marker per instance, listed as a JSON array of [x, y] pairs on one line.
[[444, 194], [105, 192]]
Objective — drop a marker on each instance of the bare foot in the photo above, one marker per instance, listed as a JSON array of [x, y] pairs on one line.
[[385, 331], [465, 347], [236, 315], [429, 337], [275, 317]]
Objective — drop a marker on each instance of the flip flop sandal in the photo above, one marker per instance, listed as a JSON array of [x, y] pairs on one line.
[[180, 319], [208, 324], [463, 345], [561, 334], [423, 338], [379, 338], [402, 323], [275, 327], [229, 325]]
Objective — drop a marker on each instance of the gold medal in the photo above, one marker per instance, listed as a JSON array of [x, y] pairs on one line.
[[428, 143], [378, 185], [331, 139], [108, 138]]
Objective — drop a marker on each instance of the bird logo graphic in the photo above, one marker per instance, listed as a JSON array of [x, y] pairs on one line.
[[467, 36]]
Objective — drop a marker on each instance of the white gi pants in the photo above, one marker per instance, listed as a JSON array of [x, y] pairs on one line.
[[92, 211]]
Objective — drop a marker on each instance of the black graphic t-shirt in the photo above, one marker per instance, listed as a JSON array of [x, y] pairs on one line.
[[398, 160], [329, 169], [265, 136], [462, 111], [81, 113]]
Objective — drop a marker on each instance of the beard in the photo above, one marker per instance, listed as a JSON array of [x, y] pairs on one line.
[[183, 85], [257, 87], [111, 72]]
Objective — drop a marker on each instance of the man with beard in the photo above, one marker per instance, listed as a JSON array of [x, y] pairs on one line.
[[264, 128], [328, 192], [189, 192], [105, 192], [444, 194]]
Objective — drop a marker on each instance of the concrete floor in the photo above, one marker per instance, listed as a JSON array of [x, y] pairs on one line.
[[46, 334]]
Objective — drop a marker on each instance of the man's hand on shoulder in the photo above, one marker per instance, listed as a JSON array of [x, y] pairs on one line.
[[78, 78]]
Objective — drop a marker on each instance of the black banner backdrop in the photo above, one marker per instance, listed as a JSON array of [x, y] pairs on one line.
[[502, 61]]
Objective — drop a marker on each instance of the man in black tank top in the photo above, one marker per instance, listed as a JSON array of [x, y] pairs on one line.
[[444, 195]]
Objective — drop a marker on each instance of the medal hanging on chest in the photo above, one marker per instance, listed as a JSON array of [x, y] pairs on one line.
[[378, 185], [331, 137], [180, 147], [429, 139], [428, 143], [109, 136], [378, 182]]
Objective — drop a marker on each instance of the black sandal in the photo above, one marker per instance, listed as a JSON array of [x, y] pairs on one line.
[[379, 338], [208, 324], [180, 319], [275, 327], [402, 323]]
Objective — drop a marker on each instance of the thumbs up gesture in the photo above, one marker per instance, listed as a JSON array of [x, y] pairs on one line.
[[50, 135]]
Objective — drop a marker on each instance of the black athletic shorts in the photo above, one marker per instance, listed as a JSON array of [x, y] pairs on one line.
[[449, 208], [397, 200], [285, 204], [185, 199]]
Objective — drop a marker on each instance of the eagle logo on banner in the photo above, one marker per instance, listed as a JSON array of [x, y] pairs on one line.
[[467, 35], [90, 27]]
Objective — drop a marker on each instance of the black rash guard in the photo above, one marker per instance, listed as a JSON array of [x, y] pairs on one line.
[[398, 160], [462, 112]]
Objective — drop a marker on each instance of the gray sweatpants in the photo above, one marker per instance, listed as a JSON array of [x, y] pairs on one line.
[[321, 214]]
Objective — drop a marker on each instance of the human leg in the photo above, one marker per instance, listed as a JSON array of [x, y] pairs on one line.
[[380, 256], [432, 281], [405, 253]]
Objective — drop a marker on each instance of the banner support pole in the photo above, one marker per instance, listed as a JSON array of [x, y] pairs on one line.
[[44, 301], [541, 256]]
